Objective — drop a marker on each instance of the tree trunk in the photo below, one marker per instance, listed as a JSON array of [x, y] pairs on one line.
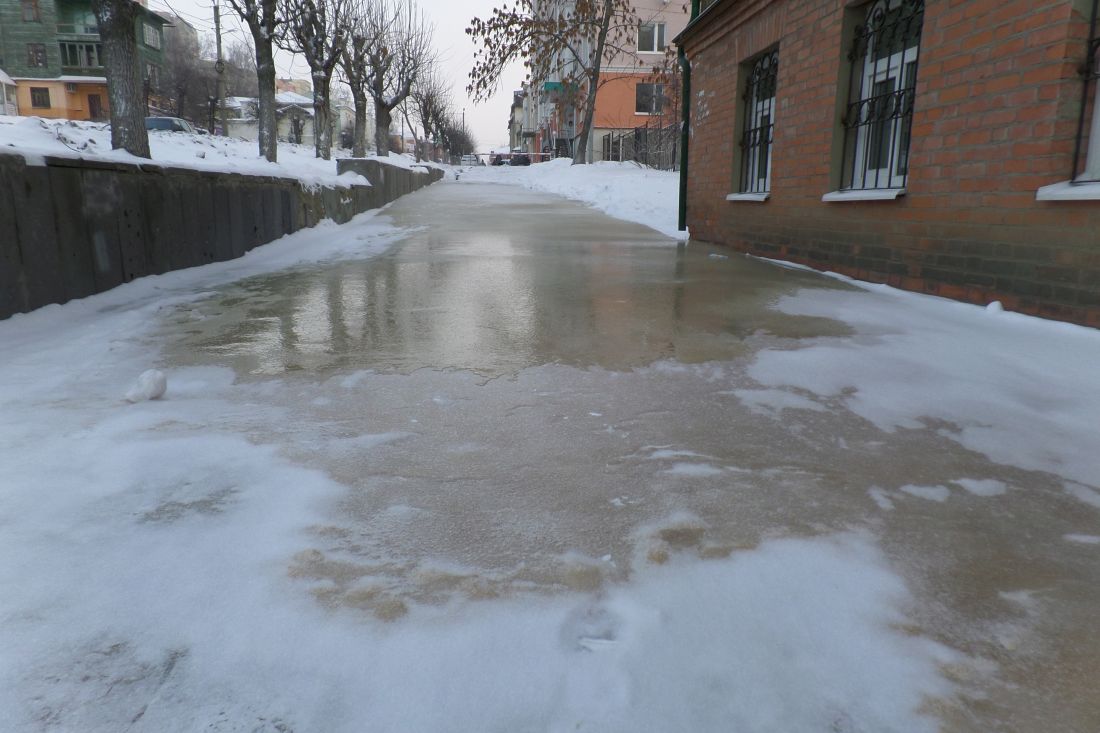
[[382, 119], [412, 129], [265, 75], [322, 117], [580, 151], [359, 148], [125, 89]]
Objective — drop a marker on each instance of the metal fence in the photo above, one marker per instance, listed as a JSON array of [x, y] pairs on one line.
[[652, 146]]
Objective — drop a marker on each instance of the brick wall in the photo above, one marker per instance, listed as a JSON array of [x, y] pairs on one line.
[[997, 103]]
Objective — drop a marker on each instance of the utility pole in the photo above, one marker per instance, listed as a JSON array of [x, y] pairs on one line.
[[219, 67]]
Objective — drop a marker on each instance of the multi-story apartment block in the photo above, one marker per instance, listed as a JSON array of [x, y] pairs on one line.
[[630, 93], [52, 51], [635, 86]]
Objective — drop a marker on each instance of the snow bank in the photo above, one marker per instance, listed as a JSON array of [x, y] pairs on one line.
[[622, 190], [34, 138]]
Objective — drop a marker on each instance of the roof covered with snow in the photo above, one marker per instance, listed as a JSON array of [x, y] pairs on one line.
[[292, 98], [5, 79]]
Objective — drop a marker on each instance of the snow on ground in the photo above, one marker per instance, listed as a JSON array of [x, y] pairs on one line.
[[147, 589], [147, 545], [622, 190], [34, 138], [1020, 390]]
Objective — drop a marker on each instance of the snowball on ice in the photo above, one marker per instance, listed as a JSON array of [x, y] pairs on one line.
[[151, 385]]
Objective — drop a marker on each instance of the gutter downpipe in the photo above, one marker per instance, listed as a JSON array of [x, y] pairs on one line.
[[685, 122]]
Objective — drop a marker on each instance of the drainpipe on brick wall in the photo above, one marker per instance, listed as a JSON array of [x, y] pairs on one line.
[[685, 122]]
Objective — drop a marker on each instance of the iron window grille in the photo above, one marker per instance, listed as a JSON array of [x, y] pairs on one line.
[[759, 124], [882, 86], [1090, 72]]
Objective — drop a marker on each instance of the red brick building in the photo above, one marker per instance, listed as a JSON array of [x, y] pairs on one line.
[[941, 146]]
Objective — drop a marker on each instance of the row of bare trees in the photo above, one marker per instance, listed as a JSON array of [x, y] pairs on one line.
[[382, 49]]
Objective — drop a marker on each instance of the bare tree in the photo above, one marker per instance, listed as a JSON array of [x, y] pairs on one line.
[[562, 42], [117, 20], [362, 39], [317, 29], [399, 51], [457, 140], [188, 76], [241, 77], [262, 20], [429, 105]]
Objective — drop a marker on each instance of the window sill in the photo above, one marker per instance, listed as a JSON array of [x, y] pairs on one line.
[[758, 197], [875, 194], [1069, 191]]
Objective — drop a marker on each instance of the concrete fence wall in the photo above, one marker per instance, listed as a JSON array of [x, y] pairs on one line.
[[73, 228]]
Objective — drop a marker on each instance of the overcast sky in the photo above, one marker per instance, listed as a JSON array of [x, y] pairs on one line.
[[488, 121]]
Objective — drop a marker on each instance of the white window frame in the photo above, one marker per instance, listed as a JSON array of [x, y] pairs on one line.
[[877, 73], [659, 41]]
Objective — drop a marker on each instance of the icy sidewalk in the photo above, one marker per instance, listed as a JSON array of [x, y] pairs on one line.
[[427, 492]]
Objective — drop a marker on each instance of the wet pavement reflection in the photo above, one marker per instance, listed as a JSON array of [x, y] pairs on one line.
[[526, 396], [542, 285]]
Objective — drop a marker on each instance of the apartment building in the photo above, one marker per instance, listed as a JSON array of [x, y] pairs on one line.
[[631, 92], [52, 51]]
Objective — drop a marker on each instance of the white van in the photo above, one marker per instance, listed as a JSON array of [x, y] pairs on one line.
[[469, 159]]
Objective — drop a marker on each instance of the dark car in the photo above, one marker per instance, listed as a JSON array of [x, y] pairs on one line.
[[170, 124], [499, 160], [520, 159]]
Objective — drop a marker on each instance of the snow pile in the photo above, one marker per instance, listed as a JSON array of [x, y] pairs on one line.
[[622, 190], [35, 138], [1019, 390]]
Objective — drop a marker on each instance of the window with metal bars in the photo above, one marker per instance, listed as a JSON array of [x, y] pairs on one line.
[[759, 123], [1089, 156], [882, 87]]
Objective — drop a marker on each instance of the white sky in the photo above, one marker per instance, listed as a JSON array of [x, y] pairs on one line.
[[488, 121]]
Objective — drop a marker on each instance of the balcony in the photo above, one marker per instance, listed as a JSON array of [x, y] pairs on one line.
[[77, 32]]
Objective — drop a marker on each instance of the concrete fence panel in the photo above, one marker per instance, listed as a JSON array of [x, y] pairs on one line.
[[70, 228]]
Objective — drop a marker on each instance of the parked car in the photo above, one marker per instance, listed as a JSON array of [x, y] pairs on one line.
[[169, 124], [499, 160], [520, 159], [469, 159]]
